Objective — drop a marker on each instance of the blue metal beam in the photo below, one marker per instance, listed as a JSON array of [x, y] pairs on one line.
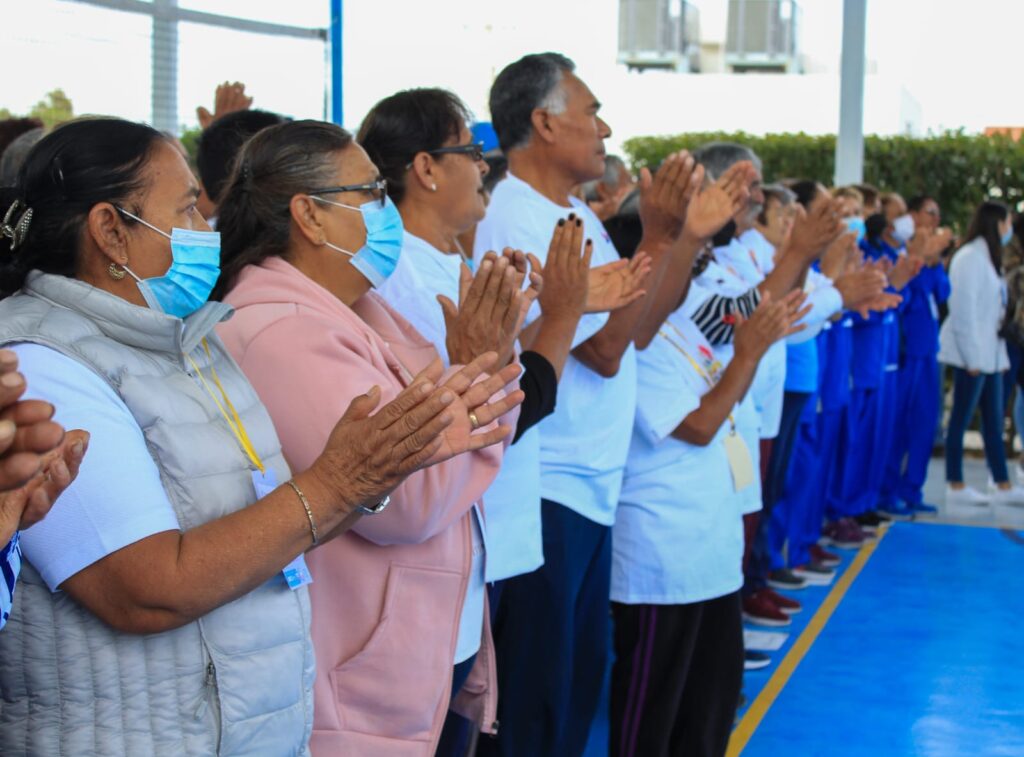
[[337, 91]]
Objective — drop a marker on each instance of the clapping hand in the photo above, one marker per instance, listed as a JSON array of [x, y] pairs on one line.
[[490, 312], [28, 504], [814, 231], [711, 208], [229, 97], [665, 197], [770, 322]]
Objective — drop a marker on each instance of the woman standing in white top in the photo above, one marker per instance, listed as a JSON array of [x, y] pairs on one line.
[[420, 141], [970, 342]]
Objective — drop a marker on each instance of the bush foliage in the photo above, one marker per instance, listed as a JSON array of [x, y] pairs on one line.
[[958, 169]]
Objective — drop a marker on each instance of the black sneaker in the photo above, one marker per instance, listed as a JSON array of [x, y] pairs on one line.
[[785, 579], [755, 660]]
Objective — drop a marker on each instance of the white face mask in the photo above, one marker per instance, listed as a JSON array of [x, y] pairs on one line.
[[903, 228]]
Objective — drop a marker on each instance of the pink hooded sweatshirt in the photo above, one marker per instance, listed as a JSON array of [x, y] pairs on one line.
[[386, 595]]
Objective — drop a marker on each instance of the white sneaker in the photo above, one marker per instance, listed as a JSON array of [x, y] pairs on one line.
[[1012, 496], [965, 496]]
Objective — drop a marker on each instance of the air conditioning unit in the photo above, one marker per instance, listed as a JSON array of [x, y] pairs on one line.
[[663, 34], [762, 36]]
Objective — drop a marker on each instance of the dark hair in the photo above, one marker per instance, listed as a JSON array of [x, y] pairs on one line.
[[985, 224], [15, 154], [777, 193], [407, 123], [875, 226], [254, 219], [917, 202], [220, 143], [805, 190], [70, 170], [521, 87], [498, 169], [869, 192], [12, 128]]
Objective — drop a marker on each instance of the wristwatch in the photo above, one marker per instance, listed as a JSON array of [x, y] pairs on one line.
[[376, 509]]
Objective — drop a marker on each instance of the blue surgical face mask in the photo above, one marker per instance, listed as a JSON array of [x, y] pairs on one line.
[[194, 271], [378, 258], [856, 223], [1005, 238]]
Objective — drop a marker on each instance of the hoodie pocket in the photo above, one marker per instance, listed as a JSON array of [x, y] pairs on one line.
[[395, 685]]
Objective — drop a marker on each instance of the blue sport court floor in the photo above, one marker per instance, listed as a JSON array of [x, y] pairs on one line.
[[917, 648]]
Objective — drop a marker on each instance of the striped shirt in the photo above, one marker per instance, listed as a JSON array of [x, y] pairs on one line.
[[10, 564]]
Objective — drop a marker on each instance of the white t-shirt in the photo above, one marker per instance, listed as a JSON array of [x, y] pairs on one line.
[[769, 384], [724, 277], [422, 273], [584, 443], [117, 498], [512, 503], [678, 535]]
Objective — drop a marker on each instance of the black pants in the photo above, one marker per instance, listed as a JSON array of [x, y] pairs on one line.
[[676, 679], [551, 634]]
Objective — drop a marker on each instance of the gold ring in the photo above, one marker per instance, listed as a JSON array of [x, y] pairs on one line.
[[473, 421]]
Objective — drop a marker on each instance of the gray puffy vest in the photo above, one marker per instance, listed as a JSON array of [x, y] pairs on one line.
[[236, 682]]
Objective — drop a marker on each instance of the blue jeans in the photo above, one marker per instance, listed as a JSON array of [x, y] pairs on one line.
[[967, 392]]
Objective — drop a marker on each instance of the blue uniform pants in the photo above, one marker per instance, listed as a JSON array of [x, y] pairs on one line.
[[856, 495], [802, 510], [914, 422]]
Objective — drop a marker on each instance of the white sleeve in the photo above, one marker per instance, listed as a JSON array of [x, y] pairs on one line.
[[964, 313], [117, 498]]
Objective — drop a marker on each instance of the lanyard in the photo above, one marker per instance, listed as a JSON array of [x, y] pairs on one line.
[[702, 372], [233, 419]]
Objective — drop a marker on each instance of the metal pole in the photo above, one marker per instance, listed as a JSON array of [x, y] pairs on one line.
[[850, 142], [164, 94], [337, 99]]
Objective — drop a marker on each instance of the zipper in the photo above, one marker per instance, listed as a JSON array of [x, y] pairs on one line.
[[209, 689]]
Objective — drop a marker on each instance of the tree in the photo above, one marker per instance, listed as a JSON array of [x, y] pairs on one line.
[[53, 109]]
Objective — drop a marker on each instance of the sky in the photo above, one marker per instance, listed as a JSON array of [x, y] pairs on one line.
[[955, 59]]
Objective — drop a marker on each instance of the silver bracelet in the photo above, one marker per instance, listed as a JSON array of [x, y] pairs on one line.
[[309, 512], [376, 509]]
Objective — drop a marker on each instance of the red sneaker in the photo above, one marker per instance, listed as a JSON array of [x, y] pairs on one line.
[[824, 557], [785, 604], [761, 611]]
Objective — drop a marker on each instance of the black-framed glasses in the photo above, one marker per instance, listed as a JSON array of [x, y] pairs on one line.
[[378, 188], [474, 149]]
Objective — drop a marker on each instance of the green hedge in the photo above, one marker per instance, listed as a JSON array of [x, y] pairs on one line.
[[959, 170]]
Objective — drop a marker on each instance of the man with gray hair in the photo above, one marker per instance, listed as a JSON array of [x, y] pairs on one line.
[[552, 625]]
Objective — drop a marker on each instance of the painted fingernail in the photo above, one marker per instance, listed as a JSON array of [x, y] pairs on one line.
[[7, 429], [590, 242], [578, 223], [572, 216], [12, 380], [561, 222]]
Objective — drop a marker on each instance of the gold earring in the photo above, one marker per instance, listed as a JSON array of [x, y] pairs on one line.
[[115, 273]]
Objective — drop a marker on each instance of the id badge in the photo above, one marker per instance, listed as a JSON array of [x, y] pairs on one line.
[[740, 462], [296, 573]]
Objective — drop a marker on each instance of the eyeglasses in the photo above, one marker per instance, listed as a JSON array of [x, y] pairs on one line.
[[474, 149], [378, 188]]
